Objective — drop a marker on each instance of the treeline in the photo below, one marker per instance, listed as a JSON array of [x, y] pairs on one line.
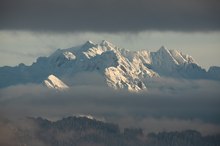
[[82, 131]]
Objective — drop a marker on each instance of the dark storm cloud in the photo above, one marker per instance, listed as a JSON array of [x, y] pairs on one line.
[[110, 15]]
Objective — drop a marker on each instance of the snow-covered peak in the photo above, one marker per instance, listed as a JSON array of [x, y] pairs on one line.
[[89, 44], [163, 58], [163, 49], [53, 82], [177, 57], [60, 57], [165, 54], [106, 44], [188, 58]]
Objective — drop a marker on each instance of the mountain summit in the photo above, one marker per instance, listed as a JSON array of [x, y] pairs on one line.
[[53, 82], [120, 68]]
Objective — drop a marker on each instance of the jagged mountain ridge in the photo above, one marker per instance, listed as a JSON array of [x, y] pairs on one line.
[[121, 68]]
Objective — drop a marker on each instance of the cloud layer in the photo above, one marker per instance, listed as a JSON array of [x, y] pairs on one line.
[[190, 105], [110, 15]]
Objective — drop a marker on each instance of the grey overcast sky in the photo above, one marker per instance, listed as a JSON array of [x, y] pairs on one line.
[[32, 28]]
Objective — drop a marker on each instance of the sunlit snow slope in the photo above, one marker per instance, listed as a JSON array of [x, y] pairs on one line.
[[120, 68], [54, 83]]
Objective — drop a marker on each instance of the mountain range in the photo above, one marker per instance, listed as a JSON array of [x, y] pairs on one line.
[[119, 67]]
